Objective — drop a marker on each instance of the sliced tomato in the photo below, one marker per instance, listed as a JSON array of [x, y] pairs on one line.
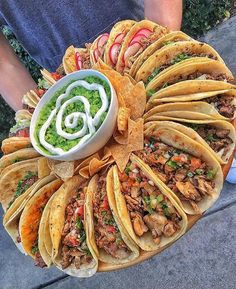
[[119, 37], [24, 132], [56, 76], [144, 31], [137, 38], [195, 163], [105, 204], [114, 52]]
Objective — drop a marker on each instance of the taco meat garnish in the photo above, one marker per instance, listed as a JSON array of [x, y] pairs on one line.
[[74, 247], [186, 175], [224, 104], [107, 233], [149, 209], [217, 138]]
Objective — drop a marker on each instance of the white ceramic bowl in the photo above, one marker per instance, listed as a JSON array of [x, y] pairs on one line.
[[101, 136]]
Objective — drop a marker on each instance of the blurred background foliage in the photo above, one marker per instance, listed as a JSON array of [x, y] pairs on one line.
[[199, 16]]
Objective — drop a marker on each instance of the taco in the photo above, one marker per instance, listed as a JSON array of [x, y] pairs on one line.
[[17, 156], [16, 179], [140, 36], [149, 213], [52, 77], [224, 101], [13, 144], [217, 136], [97, 49], [76, 59], [167, 39], [171, 54], [31, 217], [200, 68], [185, 166], [115, 40], [71, 248], [107, 234], [191, 110], [12, 216]]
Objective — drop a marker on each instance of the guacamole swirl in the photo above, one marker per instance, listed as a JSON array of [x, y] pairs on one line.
[[73, 115]]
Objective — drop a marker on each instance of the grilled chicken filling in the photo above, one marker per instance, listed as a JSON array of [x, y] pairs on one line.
[[74, 246], [187, 176], [107, 233], [217, 138], [150, 210]]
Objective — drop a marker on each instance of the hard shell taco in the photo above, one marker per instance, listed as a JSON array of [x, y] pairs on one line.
[[68, 226], [196, 68], [31, 217], [107, 233], [171, 54], [140, 36], [12, 216], [115, 40], [149, 213], [97, 49], [167, 39], [184, 166], [217, 136]]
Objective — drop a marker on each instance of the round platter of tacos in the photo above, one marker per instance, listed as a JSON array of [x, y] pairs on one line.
[[155, 169]]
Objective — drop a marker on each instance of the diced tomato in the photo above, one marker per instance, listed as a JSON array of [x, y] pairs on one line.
[[73, 242], [23, 132], [56, 76], [162, 160], [105, 203], [80, 211], [195, 163], [182, 158], [111, 229]]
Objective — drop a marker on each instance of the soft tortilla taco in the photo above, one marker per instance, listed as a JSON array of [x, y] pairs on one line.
[[171, 54], [17, 156], [184, 166], [107, 233], [191, 110], [71, 248], [223, 101], [97, 49], [167, 39], [195, 68], [13, 144], [31, 217], [149, 213], [115, 40], [16, 179], [140, 36], [217, 136], [12, 216], [76, 59]]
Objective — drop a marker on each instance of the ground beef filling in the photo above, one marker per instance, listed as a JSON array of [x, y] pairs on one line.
[[74, 247], [107, 234], [224, 104], [217, 138], [187, 176], [149, 209]]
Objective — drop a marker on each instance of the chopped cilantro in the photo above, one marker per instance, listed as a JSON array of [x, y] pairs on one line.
[[211, 174], [79, 223], [154, 74], [210, 138], [172, 164], [160, 198], [34, 249], [127, 170], [180, 57]]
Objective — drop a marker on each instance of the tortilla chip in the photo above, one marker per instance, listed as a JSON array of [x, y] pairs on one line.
[[96, 165], [85, 162], [84, 172], [63, 170], [122, 119], [121, 155], [43, 168]]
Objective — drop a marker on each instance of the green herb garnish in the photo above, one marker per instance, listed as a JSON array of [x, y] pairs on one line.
[[172, 164]]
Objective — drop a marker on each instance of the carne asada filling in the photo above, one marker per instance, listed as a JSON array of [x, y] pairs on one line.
[[149, 209], [178, 58], [187, 176], [24, 184], [223, 103], [38, 258], [217, 138], [107, 233], [74, 246]]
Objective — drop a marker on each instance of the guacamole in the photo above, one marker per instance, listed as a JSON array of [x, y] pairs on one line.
[[81, 111]]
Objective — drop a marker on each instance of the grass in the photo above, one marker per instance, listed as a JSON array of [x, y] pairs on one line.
[[199, 16]]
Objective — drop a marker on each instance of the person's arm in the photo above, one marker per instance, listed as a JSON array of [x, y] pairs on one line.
[[15, 79], [164, 12]]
